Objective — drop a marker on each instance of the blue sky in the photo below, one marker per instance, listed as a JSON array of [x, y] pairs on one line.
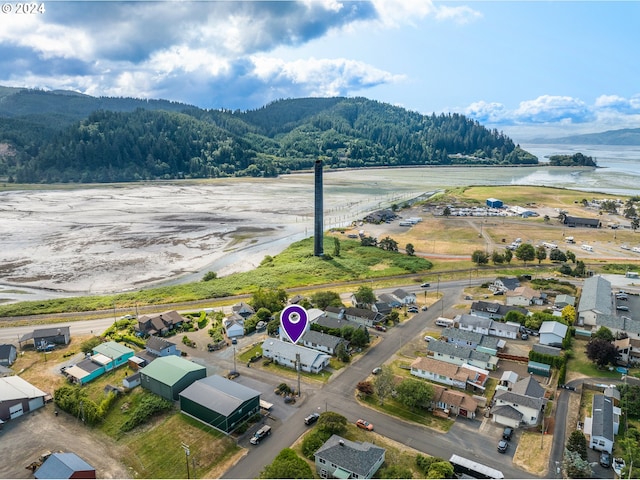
[[537, 68]]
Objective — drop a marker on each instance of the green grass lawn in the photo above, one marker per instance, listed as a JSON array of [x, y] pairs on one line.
[[581, 364]]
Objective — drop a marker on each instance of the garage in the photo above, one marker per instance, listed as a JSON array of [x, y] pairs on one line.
[[15, 411]]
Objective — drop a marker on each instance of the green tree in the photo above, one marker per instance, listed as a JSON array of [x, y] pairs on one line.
[[446, 212], [601, 352], [389, 244], [515, 316], [604, 333], [336, 247], [508, 256], [342, 353], [414, 393], [272, 300], [541, 254], [287, 464], [360, 337], [209, 276], [325, 299], [365, 296], [384, 383], [395, 470], [332, 423], [410, 250], [571, 256], [312, 442], [574, 466], [580, 270], [393, 317], [578, 443], [480, 257], [88, 345], [525, 252], [497, 258], [556, 255], [441, 469]]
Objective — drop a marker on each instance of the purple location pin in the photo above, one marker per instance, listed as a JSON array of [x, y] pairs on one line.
[[294, 321]]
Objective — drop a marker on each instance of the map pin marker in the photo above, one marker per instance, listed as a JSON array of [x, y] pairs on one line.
[[294, 320]]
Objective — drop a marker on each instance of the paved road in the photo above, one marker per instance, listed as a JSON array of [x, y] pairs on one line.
[[338, 396]]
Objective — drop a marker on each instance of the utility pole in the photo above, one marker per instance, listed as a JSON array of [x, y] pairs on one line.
[[186, 453], [298, 368]]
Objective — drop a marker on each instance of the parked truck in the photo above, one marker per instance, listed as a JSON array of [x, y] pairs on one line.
[[262, 433]]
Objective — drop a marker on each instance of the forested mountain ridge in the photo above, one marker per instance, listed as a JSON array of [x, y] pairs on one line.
[[67, 137], [624, 136]]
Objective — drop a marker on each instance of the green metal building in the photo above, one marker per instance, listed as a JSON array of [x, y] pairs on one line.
[[168, 376], [220, 403]]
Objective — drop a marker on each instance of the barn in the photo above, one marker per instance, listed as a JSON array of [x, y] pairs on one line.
[[219, 402], [17, 397], [168, 376]]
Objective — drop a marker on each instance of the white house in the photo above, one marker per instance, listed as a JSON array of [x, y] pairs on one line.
[[234, 326], [595, 300], [406, 298], [457, 355], [552, 333], [523, 404], [600, 425], [459, 376], [524, 296], [284, 353]]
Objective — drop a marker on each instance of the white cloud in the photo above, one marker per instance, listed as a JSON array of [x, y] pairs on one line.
[[460, 14], [394, 13]]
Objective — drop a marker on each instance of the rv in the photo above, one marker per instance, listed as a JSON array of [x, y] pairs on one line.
[[588, 248], [444, 322]]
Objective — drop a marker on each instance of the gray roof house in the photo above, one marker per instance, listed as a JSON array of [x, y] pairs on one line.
[[161, 347], [391, 300], [451, 353], [405, 298], [595, 300], [44, 336], [467, 338], [328, 320], [523, 404], [342, 458], [8, 354], [563, 300], [284, 353], [600, 425], [504, 284], [322, 341], [552, 333], [486, 326], [243, 309], [494, 310], [360, 316]]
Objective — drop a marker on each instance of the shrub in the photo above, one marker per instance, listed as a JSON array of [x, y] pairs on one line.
[[149, 405]]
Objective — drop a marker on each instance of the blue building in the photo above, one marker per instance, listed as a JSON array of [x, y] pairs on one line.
[[494, 203]]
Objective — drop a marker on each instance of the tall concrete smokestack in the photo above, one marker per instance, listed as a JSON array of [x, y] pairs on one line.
[[318, 231]]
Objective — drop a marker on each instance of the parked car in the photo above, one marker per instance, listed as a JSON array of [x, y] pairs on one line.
[[311, 419], [503, 445], [624, 308], [507, 433], [428, 338], [234, 341], [424, 308], [233, 374], [380, 328], [412, 309], [425, 285], [605, 459], [360, 423], [524, 336], [376, 370]]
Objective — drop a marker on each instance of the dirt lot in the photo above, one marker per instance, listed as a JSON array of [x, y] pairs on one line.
[[23, 440]]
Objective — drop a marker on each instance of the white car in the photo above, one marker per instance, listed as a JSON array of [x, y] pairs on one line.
[[428, 338]]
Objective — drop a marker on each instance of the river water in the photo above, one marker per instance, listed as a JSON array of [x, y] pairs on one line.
[[101, 239]]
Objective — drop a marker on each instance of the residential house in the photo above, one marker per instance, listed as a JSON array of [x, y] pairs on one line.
[[322, 341], [494, 310], [159, 324], [629, 350], [161, 347], [553, 333], [342, 458], [523, 297], [296, 299], [168, 376], [453, 402], [234, 326], [104, 358], [390, 300], [285, 353], [619, 324], [487, 326], [243, 309], [65, 465], [8, 354], [405, 298], [220, 403], [359, 316], [600, 426], [459, 376], [451, 353], [523, 404], [17, 397], [504, 284], [50, 335], [563, 300], [468, 338], [383, 308], [329, 321], [595, 301]]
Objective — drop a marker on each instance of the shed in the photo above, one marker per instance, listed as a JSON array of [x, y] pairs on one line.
[[539, 369], [219, 402], [168, 376], [65, 465], [17, 396]]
